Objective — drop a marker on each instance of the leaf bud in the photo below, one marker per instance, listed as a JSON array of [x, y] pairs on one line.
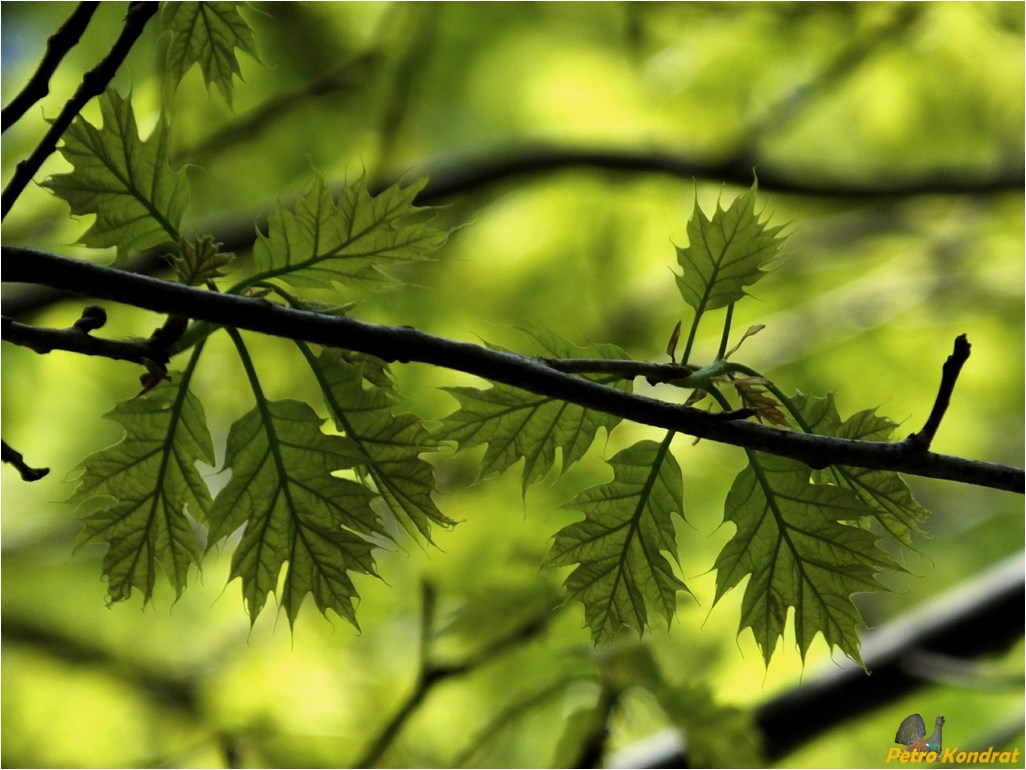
[[93, 317]]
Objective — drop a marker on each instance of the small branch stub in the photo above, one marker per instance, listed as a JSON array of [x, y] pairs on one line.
[[949, 375], [28, 473]]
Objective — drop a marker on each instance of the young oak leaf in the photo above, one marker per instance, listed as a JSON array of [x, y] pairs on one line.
[[725, 253], [885, 492], [320, 242], [391, 443], [791, 538], [516, 424], [206, 34], [294, 510], [619, 548], [150, 489], [125, 181], [764, 405], [199, 260]]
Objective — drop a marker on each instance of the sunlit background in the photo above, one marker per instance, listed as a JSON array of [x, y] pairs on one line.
[[872, 292]]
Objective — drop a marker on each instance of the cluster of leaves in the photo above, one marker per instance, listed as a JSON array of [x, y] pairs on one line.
[[805, 539]]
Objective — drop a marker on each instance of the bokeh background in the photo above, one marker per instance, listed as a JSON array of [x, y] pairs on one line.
[[889, 137]]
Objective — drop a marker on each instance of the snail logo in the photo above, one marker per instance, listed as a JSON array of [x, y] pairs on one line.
[[912, 734], [920, 748]]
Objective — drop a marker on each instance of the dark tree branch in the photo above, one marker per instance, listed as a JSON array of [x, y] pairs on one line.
[[949, 375], [977, 617], [9, 455], [404, 345], [457, 175], [469, 172], [594, 744], [57, 45], [93, 84]]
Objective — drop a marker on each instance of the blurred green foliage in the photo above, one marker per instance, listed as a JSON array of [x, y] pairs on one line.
[[867, 302]]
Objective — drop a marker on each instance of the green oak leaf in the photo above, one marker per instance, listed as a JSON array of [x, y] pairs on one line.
[[793, 539], [294, 511], [885, 492], [320, 242], [516, 424], [620, 544], [125, 181], [199, 260], [149, 491], [206, 34], [725, 253], [392, 443]]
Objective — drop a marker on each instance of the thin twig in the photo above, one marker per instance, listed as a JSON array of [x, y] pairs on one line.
[[405, 344], [796, 102], [431, 673], [75, 340], [427, 676], [12, 456], [949, 375], [513, 712], [335, 83], [462, 173], [93, 84], [57, 45]]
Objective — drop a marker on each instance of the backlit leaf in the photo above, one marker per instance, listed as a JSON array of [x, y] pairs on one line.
[[294, 511], [725, 253], [516, 424], [620, 547], [199, 260], [206, 34], [392, 443], [322, 242], [765, 407], [794, 539], [148, 491], [125, 181], [885, 492]]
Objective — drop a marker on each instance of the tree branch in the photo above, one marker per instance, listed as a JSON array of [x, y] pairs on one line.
[[57, 45], [405, 344], [93, 84], [467, 172]]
